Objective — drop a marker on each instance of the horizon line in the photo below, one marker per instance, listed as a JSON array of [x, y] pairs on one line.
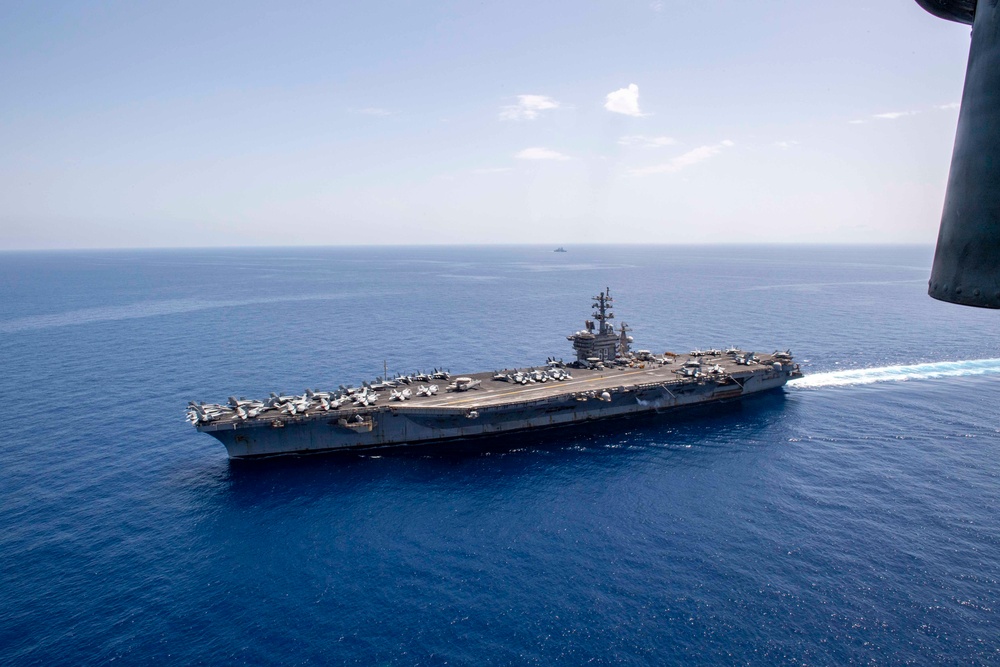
[[812, 244]]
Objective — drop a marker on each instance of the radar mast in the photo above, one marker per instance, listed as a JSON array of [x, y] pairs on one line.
[[602, 302]]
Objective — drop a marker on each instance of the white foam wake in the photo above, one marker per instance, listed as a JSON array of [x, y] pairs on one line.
[[939, 369]]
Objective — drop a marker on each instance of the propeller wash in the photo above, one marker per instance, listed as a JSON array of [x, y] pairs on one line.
[[607, 379]]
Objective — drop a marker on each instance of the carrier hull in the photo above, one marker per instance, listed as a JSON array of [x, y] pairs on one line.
[[606, 380], [496, 408]]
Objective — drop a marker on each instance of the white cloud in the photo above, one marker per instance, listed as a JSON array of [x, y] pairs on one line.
[[693, 156], [538, 153], [656, 6], [893, 115], [786, 144], [373, 111], [646, 142], [528, 107], [624, 100]]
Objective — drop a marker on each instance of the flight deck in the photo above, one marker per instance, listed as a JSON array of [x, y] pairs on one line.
[[607, 379]]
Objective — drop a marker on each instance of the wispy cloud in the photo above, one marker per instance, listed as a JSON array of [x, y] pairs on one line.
[[528, 107], [644, 141], [538, 153], [786, 144], [888, 115], [893, 115], [624, 101], [656, 6], [372, 111], [694, 156]]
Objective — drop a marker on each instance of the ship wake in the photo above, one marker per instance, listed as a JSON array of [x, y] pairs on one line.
[[939, 369]]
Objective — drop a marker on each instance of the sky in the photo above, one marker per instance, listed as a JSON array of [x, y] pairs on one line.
[[200, 124]]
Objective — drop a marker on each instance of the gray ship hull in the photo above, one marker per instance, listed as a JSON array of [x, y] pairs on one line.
[[495, 409]]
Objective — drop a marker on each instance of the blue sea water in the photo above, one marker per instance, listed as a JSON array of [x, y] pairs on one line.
[[851, 519]]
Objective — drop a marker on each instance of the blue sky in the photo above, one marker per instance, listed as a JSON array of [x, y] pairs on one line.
[[246, 123]]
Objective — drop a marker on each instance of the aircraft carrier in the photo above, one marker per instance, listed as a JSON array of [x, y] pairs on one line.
[[607, 379]]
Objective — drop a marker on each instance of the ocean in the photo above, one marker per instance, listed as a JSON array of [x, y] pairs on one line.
[[850, 519]]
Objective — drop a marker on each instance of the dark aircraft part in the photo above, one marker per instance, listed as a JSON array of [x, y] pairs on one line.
[[962, 11], [967, 261]]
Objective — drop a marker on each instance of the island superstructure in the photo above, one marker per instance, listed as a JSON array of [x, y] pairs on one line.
[[607, 379]]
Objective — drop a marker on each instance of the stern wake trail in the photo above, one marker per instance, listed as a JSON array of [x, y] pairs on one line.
[[938, 369]]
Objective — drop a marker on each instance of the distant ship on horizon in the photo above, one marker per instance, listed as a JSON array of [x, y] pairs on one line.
[[560, 249]]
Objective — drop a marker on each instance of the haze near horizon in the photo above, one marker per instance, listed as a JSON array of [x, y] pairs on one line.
[[238, 124]]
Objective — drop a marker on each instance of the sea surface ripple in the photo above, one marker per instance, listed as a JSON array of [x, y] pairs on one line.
[[850, 519]]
